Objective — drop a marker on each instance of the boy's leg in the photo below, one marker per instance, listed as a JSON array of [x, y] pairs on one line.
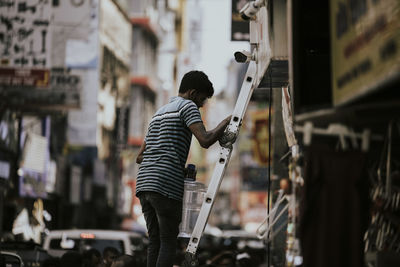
[[169, 214], [152, 228]]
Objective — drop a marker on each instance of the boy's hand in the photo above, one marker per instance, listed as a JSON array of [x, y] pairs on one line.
[[228, 138]]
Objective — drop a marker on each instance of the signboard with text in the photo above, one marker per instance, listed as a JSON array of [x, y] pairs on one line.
[[62, 93], [24, 34], [254, 149], [11, 77], [365, 43]]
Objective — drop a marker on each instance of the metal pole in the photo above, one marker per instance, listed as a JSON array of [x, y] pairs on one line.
[[1, 209]]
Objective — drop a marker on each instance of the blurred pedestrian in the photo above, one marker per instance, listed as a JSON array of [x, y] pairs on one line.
[[243, 260], [109, 254], [163, 156], [91, 258], [71, 258], [124, 261], [52, 262]]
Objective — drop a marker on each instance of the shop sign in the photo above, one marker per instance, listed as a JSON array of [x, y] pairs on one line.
[[13, 77], [365, 45], [63, 93], [65, 81], [25, 35], [260, 136], [254, 144], [254, 150]]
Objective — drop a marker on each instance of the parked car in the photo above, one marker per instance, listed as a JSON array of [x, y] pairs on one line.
[[60, 241], [10, 259], [31, 254]]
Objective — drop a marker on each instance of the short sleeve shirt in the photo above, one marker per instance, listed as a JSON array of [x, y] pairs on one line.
[[167, 147]]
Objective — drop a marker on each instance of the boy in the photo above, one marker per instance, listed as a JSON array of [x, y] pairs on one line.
[[163, 156]]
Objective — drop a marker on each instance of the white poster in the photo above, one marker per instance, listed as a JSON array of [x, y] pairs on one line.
[[34, 153]]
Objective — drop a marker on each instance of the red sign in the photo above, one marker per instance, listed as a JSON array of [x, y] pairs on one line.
[[24, 77]]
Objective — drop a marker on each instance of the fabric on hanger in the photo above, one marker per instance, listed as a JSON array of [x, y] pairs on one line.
[[334, 208]]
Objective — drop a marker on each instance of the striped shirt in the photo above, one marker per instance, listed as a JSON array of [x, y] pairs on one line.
[[167, 147]]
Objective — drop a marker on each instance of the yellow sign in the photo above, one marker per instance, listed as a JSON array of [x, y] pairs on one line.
[[365, 40]]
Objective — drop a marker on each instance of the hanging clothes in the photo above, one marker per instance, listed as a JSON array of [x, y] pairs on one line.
[[334, 208]]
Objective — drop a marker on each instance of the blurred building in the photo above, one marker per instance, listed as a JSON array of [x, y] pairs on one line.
[[72, 121]]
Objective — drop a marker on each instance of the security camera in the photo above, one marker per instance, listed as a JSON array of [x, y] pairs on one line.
[[244, 56], [250, 9]]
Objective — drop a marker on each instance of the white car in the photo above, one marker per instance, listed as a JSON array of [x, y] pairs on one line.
[[60, 241]]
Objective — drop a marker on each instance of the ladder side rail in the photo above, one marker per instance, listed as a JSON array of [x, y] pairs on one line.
[[243, 98], [209, 198], [225, 152]]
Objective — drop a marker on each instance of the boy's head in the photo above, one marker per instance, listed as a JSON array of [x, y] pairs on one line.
[[198, 82]]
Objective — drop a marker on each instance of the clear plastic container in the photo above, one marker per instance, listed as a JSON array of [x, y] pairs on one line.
[[192, 200], [194, 194]]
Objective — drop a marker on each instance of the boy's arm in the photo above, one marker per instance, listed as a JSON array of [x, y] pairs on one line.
[[139, 158], [207, 138]]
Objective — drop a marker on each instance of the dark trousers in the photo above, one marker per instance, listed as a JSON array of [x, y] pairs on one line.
[[163, 216]]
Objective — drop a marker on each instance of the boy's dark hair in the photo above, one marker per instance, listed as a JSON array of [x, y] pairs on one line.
[[197, 80]]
